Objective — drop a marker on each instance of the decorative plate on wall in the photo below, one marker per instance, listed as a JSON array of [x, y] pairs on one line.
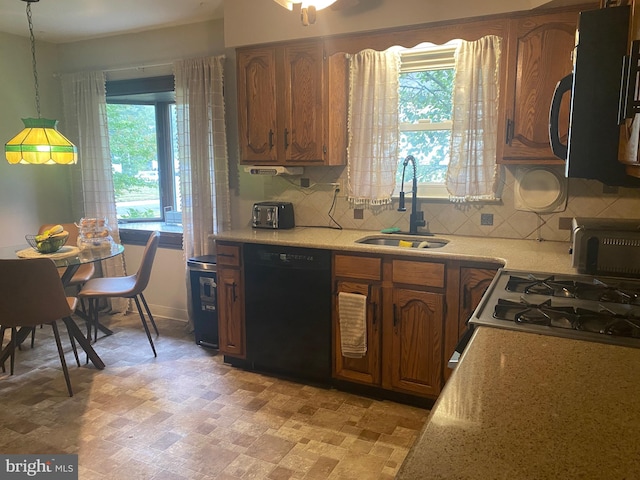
[[540, 189]]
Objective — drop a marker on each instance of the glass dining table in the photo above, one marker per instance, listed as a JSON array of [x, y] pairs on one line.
[[70, 258]]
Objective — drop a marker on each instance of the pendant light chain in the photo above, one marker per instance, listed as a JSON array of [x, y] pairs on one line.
[[33, 56], [40, 142]]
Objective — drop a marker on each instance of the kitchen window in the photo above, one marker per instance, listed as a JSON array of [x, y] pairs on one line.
[[142, 139], [426, 87]]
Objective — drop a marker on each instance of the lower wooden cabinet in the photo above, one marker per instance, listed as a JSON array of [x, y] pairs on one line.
[[466, 284], [473, 283], [230, 312], [404, 324], [231, 328], [416, 341], [416, 311], [366, 369]]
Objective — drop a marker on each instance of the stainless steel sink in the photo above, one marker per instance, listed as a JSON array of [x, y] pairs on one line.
[[403, 241]]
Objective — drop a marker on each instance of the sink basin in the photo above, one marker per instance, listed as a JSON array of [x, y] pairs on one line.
[[403, 241]]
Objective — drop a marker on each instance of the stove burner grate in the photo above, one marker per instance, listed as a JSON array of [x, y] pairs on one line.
[[612, 292], [603, 321]]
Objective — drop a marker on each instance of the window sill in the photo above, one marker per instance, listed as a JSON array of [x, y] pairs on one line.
[[137, 233]]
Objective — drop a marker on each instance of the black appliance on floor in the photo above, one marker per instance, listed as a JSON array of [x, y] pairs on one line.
[[288, 310], [204, 304]]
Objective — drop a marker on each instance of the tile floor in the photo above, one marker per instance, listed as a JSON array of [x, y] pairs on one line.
[[187, 416]]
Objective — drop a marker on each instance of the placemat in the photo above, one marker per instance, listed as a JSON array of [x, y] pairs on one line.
[[65, 251]]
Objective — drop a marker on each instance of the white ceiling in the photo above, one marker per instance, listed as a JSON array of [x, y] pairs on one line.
[[61, 21]]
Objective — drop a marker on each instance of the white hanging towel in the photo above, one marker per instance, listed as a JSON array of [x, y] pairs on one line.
[[352, 310]]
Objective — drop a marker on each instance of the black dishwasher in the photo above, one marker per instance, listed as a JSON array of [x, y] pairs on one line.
[[288, 310]]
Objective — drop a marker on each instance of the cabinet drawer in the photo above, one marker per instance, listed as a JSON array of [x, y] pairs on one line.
[[228, 254], [368, 268], [418, 273]]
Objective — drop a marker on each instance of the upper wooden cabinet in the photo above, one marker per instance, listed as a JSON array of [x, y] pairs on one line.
[[257, 104], [539, 55], [291, 105]]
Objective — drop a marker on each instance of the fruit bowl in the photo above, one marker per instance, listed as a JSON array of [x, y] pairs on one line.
[[48, 245]]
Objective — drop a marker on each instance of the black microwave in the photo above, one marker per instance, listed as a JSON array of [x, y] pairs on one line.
[[591, 149]]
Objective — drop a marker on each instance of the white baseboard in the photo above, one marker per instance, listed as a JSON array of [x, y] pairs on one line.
[[160, 311]]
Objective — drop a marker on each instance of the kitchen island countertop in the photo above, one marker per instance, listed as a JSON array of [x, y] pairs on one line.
[[529, 255], [526, 406]]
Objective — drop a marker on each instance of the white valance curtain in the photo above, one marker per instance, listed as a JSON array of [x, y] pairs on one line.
[[472, 173], [373, 127], [202, 151], [85, 112]]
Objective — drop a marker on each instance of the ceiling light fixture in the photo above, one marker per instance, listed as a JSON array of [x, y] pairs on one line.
[[39, 142], [308, 8]]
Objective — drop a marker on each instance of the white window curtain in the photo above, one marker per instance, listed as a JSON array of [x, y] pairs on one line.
[[472, 173], [85, 112], [202, 151], [373, 127]]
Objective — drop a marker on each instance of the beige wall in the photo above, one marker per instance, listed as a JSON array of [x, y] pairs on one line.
[[30, 195]]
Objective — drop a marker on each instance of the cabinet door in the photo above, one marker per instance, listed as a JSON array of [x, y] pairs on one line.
[[230, 312], [366, 369], [416, 352], [257, 105], [473, 283], [540, 49], [303, 104]]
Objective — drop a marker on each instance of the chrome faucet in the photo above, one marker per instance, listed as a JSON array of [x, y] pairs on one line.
[[416, 219]]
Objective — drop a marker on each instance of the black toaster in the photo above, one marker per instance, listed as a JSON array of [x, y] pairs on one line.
[[274, 215]]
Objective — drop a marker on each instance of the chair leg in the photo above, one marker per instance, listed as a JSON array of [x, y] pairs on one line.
[[146, 307], [73, 345], [14, 344], [56, 334], [2, 329], [92, 321], [146, 327]]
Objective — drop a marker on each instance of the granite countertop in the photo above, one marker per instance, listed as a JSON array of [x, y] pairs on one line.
[[525, 406], [530, 255]]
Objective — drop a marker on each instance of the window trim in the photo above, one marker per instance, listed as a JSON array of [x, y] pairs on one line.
[[424, 57], [160, 92]]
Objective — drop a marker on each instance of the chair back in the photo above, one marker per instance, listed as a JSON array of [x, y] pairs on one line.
[[72, 228], [31, 293], [144, 270]]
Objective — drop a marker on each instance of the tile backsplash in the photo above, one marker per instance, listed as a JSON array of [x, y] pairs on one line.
[[314, 206]]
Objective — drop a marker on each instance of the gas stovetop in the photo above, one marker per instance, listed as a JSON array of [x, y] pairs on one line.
[[601, 309]]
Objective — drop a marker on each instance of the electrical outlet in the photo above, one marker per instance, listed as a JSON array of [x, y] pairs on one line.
[[486, 219], [304, 182], [341, 188]]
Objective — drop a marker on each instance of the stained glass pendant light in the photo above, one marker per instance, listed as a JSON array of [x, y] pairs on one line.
[[40, 142]]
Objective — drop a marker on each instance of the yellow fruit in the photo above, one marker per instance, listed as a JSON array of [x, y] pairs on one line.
[[63, 233], [56, 229]]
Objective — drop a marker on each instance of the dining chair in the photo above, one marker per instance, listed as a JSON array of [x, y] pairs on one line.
[[32, 295], [86, 270], [82, 274], [131, 286]]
